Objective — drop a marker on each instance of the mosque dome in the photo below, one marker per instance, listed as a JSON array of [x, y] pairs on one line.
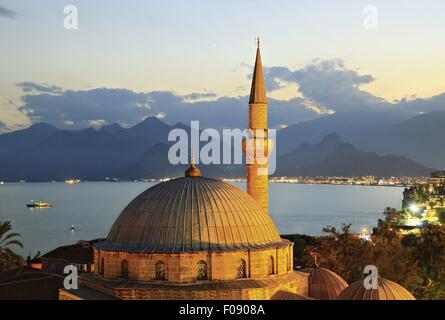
[[191, 214], [286, 295], [324, 284], [387, 290]]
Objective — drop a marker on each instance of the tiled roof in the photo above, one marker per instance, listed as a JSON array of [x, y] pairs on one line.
[[191, 214], [81, 252], [29, 284]]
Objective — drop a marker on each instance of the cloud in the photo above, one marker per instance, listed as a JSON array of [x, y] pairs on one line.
[[83, 108], [224, 112], [97, 122], [328, 85], [39, 88], [7, 13], [3, 127], [324, 87], [199, 96], [161, 115]]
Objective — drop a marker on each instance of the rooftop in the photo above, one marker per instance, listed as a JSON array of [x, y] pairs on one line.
[[191, 214]]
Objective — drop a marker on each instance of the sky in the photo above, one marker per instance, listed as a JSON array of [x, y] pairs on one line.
[[182, 59]]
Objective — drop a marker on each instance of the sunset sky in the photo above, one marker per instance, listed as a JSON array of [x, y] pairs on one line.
[[204, 50]]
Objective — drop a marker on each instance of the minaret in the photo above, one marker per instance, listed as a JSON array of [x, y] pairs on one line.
[[257, 170]]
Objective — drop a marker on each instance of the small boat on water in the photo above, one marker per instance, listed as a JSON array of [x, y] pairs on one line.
[[72, 181], [39, 204]]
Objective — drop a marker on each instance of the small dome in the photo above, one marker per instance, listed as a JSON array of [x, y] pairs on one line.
[[387, 290], [191, 214], [286, 295], [324, 284]]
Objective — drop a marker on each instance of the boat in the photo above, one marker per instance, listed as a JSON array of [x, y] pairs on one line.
[[72, 181], [39, 204]]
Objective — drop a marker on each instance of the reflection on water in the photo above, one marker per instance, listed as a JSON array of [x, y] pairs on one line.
[[92, 207]]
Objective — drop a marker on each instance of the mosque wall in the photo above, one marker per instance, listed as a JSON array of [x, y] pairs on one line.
[[195, 267]]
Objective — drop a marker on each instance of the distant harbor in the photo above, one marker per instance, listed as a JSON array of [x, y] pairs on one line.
[[347, 181], [350, 181]]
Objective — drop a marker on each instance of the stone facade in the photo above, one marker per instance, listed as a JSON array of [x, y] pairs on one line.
[[183, 267], [242, 289]]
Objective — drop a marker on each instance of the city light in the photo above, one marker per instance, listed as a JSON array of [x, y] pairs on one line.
[[413, 222]]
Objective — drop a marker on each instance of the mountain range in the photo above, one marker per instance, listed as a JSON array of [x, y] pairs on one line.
[[340, 144], [333, 157], [419, 138]]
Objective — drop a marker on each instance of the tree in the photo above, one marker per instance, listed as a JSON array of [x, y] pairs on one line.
[[9, 259], [392, 216], [347, 254], [342, 252]]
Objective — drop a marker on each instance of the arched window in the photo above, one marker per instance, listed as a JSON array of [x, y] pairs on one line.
[[160, 270], [241, 272], [124, 269], [102, 266], [202, 270], [271, 265]]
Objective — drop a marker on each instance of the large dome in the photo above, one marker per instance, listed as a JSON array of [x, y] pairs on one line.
[[191, 214]]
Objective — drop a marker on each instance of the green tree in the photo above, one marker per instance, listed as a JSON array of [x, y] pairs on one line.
[[392, 216], [347, 254], [9, 259], [342, 252]]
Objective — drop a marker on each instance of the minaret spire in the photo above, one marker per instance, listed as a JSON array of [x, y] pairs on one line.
[[260, 145], [258, 90]]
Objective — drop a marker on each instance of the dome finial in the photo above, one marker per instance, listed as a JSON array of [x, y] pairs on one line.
[[193, 170], [314, 258]]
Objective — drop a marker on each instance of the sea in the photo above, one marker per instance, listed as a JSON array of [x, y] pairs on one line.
[[92, 207]]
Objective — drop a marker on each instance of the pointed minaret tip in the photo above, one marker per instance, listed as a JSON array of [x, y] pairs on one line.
[[258, 90]]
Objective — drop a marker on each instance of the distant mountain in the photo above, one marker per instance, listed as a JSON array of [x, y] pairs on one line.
[[43, 153], [333, 157], [154, 164], [419, 138], [355, 127]]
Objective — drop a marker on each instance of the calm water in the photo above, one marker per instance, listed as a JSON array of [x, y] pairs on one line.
[[92, 208]]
